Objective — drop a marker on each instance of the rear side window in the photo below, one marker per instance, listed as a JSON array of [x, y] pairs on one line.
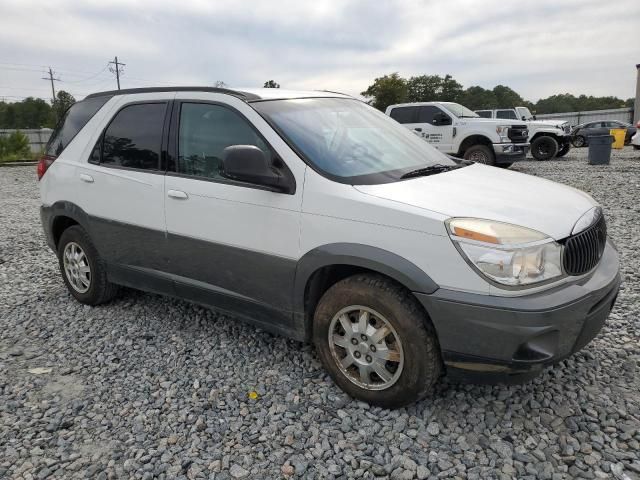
[[510, 114], [404, 114], [133, 139], [484, 113], [72, 122]]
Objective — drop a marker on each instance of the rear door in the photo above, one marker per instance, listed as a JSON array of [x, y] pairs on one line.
[[232, 244], [122, 187]]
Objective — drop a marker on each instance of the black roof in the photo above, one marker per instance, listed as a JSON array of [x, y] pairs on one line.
[[126, 91]]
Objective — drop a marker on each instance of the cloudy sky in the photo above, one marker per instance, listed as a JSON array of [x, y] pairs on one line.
[[537, 47]]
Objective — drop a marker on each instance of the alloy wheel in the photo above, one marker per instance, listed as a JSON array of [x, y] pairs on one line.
[[76, 267], [366, 347]]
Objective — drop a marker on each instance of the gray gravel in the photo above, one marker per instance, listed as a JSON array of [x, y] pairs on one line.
[[151, 387]]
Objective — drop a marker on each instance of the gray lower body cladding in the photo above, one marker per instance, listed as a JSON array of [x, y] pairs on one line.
[[520, 335]]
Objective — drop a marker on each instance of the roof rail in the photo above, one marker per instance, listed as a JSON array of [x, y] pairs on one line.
[[127, 91]]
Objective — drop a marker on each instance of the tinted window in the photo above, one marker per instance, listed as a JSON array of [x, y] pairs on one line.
[[425, 114], [404, 114], [72, 122], [134, 137], [205, 131], [510, 114], [484, 113]]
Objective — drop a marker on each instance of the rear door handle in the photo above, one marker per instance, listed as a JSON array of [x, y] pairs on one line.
[[179, 194], [86, 178]]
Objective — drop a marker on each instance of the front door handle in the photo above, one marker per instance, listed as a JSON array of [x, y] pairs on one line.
[[418, 129], [179, 194], [86, 178]]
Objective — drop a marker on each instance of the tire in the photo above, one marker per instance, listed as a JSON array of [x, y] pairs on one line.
[[504, 165], [413, 362], [92, 288], [544, 148], [480, 154], [579, 141], [636, 147], [563, 150]]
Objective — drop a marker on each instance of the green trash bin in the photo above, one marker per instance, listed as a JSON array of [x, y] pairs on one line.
[[600, 149]]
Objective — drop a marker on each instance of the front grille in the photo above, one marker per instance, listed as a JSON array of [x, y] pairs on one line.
[[518, 133], [583, 251]]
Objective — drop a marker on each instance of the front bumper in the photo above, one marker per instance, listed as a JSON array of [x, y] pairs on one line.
[[510, 152], [506, 337]]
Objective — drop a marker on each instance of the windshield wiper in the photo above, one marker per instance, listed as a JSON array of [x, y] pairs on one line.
[[430, 170]]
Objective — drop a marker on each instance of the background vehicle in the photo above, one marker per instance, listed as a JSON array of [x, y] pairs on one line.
[[548, 138], [456, 130], [313, 215], [635, 140], [581, 133]]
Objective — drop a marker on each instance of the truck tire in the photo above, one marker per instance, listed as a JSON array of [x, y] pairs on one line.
[[564, 150], [376, 342], [579, 141], [480, 154], [544, 148]]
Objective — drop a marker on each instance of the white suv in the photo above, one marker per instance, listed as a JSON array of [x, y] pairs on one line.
[[313, 215]]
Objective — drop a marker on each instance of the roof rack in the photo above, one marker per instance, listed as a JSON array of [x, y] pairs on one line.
[[127, 91]]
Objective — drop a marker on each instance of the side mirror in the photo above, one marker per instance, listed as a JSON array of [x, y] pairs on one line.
[[524, 119], [534, 117], [440, 119], [247, 163]]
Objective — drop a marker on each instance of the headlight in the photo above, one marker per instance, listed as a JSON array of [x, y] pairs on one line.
[[507, 254], [503, 132]]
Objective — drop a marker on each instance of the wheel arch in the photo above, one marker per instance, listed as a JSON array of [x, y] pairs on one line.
[[60, 216], [324, 266], [475, 139], [537, 135]]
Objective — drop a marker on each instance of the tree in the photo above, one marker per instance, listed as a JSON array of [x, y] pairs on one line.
[[29, 113], [219, 84], [271, 84], [14, 146], [478, 98], [62, 103], [451, 90], [506, 97], [424, 88], [386, 91]]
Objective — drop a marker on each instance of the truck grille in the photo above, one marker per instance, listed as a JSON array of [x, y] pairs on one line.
[[518, 133], [583, 251]]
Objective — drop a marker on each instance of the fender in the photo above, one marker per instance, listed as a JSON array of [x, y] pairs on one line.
[[48, 214], [358, 255]]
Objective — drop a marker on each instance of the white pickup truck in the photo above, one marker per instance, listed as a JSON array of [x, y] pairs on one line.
[[456, 130], [548, 138]]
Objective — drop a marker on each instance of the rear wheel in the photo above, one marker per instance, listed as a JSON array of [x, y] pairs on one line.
[[579, 141], [83, 270], [480, 154], [375, 341], [637, 147], [544, 148]]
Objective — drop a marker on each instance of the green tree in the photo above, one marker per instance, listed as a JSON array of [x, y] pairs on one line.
[[271, 84], [14, 147], [478, 98], [61, 104], [386, 91], [506, 97], [423, 88], [451, 90], [29, 113]]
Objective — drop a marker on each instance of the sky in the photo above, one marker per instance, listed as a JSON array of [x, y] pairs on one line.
[[538, 48]]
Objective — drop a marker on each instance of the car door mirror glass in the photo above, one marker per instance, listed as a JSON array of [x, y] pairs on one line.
[[247, 163], [440, 119]]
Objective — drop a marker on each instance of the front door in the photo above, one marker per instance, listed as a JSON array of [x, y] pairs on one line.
[[232, 245], [429, 121]]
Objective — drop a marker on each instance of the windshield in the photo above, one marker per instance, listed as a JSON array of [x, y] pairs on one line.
[[460, 111], [524, 112], [349, 141]]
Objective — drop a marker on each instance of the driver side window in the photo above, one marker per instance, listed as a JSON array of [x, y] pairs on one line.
[[205, 131]]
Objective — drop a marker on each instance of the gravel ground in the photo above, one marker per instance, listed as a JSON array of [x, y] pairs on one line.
[[152, 387]]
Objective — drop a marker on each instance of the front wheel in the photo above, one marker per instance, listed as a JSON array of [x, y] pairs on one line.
[[636, 147], [544, 148], [564, 150], [480, 154], [376, 342], [579, 141]]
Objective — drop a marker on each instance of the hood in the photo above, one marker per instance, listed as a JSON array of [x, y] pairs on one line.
[[492, 193], [542, 123]]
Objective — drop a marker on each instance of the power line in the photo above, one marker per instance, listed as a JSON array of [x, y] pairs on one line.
[[53, 90], [117, 70], [88, 78]]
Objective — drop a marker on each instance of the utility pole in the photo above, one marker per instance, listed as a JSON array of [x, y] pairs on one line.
[[53, 90], [117, 70]]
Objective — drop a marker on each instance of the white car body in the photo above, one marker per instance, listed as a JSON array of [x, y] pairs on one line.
[[254, 251]]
